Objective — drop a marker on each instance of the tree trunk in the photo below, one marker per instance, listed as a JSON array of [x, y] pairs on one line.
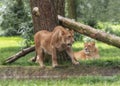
[[59, 7], [91, 32], [48, 17], [48, 9], [71, 9]]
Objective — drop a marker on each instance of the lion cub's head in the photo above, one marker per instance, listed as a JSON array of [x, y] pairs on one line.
[[89, 47]]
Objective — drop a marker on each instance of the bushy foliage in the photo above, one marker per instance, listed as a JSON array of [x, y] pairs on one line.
[[113, 11], [14, 16], [97, 12], [26, 31], [17, 20], [78, 36], [112, 28], [92, 11]]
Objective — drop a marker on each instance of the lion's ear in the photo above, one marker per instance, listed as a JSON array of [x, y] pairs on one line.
[[58, 33], [56, 36], [85, 44], [72, 32], [93, 43]]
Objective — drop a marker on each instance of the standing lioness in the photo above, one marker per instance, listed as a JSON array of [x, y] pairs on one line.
[[49, 42]]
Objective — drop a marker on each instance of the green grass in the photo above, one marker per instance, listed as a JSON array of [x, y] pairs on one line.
[[10, 42], [110, 56], [10, 46], [79, 81]]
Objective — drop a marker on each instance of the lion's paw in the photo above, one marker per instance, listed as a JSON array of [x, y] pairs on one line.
[[76, 63], [55, 65], [43, 66]]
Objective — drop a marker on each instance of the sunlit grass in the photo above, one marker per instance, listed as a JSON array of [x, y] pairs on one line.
[[10, 42], [109, 55], [10, 46], [77, 81]]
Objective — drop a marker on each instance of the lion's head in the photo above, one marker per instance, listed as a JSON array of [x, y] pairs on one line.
[[89, 47], [67, 37], [63, 36]]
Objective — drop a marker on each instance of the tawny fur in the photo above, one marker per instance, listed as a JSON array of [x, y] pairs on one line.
[[89, 52], [49, 42]]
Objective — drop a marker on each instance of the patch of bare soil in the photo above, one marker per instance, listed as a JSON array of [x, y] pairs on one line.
[[35, 72]]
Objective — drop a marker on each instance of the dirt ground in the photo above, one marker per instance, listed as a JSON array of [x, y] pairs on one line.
[[35, 72]]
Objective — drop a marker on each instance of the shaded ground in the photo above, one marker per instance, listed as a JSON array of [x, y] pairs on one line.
[[31, 72]]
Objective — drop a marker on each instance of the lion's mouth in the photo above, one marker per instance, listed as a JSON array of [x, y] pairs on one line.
[[69, 45], [86, 51]]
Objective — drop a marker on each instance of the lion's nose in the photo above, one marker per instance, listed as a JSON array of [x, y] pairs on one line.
[[86, 49]]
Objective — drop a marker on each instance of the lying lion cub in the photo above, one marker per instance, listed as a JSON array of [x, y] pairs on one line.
[[49, 42], [89, 52]]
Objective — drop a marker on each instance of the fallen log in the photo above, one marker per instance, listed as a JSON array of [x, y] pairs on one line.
[[90, 31], [20, 54], [81, 28]]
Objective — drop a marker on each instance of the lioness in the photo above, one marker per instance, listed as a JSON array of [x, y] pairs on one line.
[[89, 52], [49, 42]]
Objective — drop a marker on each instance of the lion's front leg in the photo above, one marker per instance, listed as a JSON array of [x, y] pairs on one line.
[[70, 53], [40, 57], [54, 58]]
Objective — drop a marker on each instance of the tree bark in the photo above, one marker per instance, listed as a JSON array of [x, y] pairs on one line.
[[71, 9], [91, 32], [48, 17], [59, 7]]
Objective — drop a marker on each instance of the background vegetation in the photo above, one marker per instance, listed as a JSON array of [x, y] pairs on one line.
[[16, 17], [16, 22]]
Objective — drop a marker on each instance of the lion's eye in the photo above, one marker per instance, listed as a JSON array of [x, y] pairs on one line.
[[69, 36]]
